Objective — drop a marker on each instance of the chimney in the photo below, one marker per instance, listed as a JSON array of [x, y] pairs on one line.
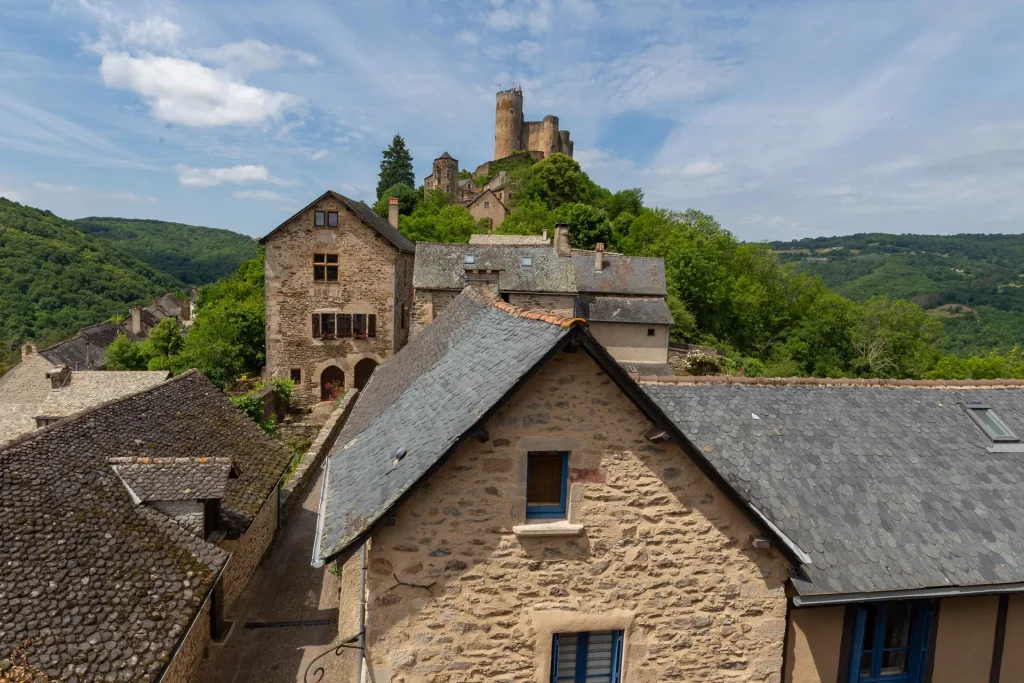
[[562, 245], [59, 376], [544, 234], [136, 320], [393, 212], [186, 310], [598, 255], [27, 349]]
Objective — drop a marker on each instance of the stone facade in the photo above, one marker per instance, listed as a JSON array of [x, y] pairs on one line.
[[455, 594], [247, 550], [512, 133], [445, 176], [556, 304], [185, 665], [427, 305], [373, 278]]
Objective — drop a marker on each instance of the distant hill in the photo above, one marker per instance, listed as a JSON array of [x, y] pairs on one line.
[[191, 253], [974, 283], [55, 279]]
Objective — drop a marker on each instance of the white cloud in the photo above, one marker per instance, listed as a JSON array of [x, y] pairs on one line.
[[130, 197], [261, 195], [152, 32], [186, 92], [533, 15], [49, 187], [12, 194], [528, 50], [255, 55], [698, 169], [467, 38], [238, 175], [583, 11], [318, 154]]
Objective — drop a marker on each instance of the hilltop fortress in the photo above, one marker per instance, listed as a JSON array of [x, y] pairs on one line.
[[512, 133]]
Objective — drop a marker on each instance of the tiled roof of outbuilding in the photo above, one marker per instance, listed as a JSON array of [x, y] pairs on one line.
[[424, 400], [885, 487], [151, 479], [442, 266], [87, 350], [616, 309], [636, 275]]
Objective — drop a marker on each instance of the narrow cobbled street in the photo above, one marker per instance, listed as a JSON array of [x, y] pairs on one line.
[[286, 617]]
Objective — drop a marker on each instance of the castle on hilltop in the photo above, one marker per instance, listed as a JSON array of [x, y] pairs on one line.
[[512, 133]]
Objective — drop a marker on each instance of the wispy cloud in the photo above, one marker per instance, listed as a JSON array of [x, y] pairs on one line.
[[533, 15], [261, 195], [237, 175], [255, 55], [130, 197], [467, 37]]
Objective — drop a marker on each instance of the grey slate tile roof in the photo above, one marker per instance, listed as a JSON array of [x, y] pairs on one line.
[[152, 479], [885, 488], [87, 350], [617, 309], [441, 266], [365, 213], [638, 275], [509, 239], [424, 400]]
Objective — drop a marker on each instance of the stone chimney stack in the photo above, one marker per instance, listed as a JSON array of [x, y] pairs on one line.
[[27, 349], [544, 234], [393, 212], [562, 245], [136, 320], [186, 310], [598, 256], [59, 376]]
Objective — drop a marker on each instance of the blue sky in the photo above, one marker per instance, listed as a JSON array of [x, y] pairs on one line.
[[783, 119]]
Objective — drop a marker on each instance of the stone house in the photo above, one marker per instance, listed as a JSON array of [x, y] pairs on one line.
[[558, 521], [623, 297], [37, 391], [338, 295], [127, 532], [486, 205]]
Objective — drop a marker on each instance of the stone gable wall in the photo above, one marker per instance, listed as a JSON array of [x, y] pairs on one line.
[[559, 304], [247, 551], [366, 284], [184, 668], [664, 555], [426, 306]]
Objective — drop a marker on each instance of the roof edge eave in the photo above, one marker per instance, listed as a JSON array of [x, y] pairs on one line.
[[816, 600]]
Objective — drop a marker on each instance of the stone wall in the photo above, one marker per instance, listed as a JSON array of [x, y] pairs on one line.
[[247, 551], [366, 284], [426, 306], [663, 554], [185, 665], [559, 304], [403, 300], [494, 210]]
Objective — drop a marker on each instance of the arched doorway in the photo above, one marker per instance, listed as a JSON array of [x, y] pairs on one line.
[[332, 383], [364, 369]]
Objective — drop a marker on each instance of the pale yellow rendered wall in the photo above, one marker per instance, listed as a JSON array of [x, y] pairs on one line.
[[815, 642], [629, 341], [664, 555], [1012, 669], [963, 647]]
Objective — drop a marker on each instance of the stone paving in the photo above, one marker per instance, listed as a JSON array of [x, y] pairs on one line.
[[286, 588]]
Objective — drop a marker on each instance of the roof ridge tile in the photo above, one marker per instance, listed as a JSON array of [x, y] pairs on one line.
[[489, 297], [837, 382]]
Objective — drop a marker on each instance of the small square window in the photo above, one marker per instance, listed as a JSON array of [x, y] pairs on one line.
[[318, 219], [990, 423], [487, 205], [527, 261], [469, 259], [325, 267], [332, 219], [650, 331], [547, 482], [296, 375]]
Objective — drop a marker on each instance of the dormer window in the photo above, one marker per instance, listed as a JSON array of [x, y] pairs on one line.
[[527, 262], [469, 259], [990, 423]]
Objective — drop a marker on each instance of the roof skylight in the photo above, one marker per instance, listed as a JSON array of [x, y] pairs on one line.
[[527, 261], [990, 423], [469, 259]]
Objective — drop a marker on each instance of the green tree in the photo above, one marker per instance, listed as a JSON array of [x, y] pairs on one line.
[[123, 354], [530, 217], [588, 225], [894, 338], [555, 180], [408, 200], [436, 219], [395, 167], [165, 339]]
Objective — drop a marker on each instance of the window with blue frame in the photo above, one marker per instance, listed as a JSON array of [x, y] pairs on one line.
[[890, 642], [592, 657], [547, 483]]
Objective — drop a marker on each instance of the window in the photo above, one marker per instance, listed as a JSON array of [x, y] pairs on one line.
[[890, 642], [990, 423], [650, 331], [469, 259], [318, 219], [527, 262], [325, 267], [594, 657], [344, 325], [332, 219], [487, 205], [547, 479], [296, 375]]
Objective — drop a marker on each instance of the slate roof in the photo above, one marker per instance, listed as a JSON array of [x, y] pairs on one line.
[[613, 309], [509, 239], [424, 400], [364, 213], [87, 350], [885, 487], [637, 275], [151, 479], [441, 266]]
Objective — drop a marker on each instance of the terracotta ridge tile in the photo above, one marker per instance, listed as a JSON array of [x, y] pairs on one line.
[[486, 296], [838, 382]]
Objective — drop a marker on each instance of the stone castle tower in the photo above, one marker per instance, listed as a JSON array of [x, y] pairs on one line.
[[512, 133], [445, 176]]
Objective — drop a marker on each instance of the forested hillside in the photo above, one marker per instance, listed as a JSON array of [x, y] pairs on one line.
[[55, 279], [974, 284], [191, 253]]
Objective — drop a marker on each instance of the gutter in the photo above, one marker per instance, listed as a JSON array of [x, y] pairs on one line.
[[786, 540], [945, 592], [317, 561]]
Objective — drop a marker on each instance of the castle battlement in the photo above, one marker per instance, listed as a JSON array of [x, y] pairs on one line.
[[512, 133]]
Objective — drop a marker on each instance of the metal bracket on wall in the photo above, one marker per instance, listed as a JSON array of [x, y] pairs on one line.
[[316, 675]]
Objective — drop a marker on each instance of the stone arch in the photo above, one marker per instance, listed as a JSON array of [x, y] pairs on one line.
[[340, 363], [330, 376], [363, 370]]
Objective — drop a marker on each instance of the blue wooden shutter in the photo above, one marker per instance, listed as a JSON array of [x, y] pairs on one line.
[[858, 644]]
